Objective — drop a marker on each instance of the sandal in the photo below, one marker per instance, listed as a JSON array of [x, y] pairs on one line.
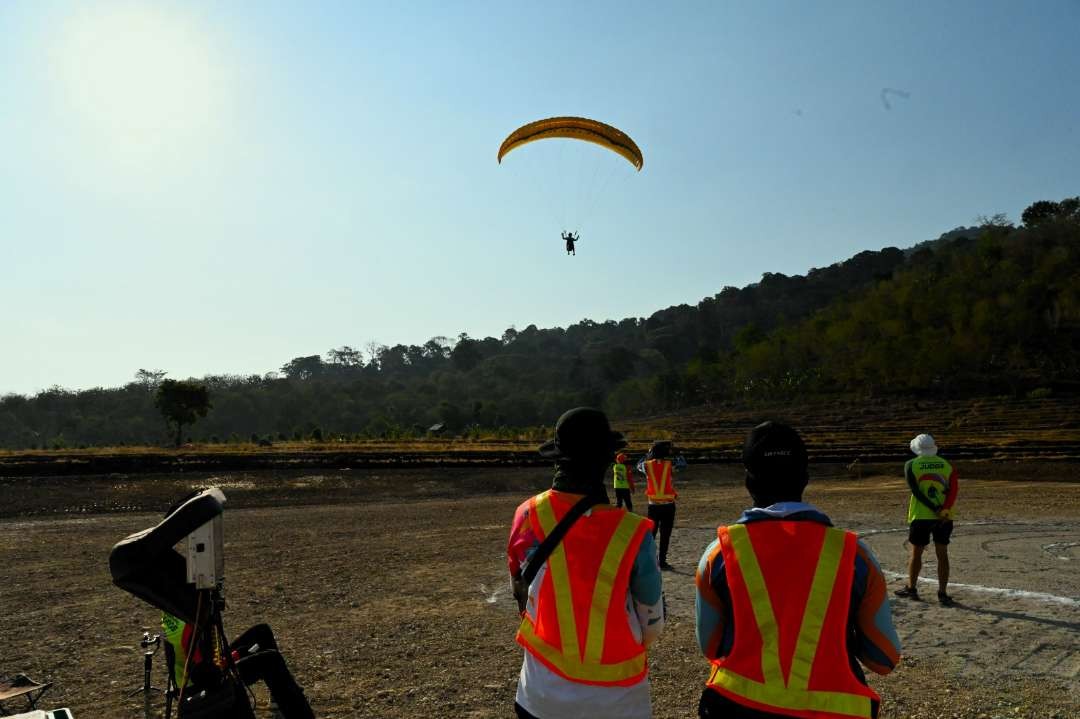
[[907, 592]]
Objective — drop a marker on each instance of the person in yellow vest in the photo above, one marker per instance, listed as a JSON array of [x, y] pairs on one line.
[[254, 652], [659, 467], [787, 605], [623, 482], [934, 487], [595, 603]]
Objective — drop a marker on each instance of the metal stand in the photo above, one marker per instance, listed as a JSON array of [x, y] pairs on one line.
[[150, 644]]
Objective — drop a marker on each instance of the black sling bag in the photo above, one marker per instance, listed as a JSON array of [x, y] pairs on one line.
[[522, 581]]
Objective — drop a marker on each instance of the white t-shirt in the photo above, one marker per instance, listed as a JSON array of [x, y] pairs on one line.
[[546, 695]]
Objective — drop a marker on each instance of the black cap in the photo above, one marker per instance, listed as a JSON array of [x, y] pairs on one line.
[[582, 433], [775, 450]]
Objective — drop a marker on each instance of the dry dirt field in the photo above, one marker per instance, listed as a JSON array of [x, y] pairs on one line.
[[389, 594]]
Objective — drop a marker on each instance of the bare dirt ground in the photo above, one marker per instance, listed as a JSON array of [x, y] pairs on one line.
[[389, 594]]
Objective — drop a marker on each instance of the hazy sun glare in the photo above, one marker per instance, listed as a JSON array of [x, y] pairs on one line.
[[141, 75]]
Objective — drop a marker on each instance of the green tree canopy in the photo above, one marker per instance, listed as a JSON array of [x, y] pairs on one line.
[[181, 403], [990, 309]]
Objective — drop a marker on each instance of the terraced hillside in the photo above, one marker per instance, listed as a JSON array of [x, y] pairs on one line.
[[879, 430], [843, 431]]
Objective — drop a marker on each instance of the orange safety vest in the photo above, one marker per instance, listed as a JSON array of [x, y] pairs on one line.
[[584, 587], [658, 486], [790, 586]]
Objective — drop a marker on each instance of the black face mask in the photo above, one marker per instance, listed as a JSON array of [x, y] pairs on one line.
[[582, 476], [766, 493]]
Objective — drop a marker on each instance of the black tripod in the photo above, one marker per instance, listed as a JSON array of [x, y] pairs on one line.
[[150, 644]]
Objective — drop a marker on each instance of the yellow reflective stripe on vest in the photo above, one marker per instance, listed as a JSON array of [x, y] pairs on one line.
[[793, 693], [605, 584], [569, 660], [817, 604], [820, 701], [658, 473], [759, 602], [560, 578], [579, 670]]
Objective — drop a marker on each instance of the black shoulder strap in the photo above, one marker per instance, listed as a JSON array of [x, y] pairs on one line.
[[552, 540]]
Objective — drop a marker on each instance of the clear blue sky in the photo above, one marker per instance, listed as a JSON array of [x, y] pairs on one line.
[[220, 187]]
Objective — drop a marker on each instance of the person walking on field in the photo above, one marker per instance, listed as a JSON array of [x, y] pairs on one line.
[[587, 583], [934, 487], [787, 605], [659, 468], [623, 482]]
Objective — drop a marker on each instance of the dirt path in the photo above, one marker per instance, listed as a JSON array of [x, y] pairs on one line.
[[390, 607]]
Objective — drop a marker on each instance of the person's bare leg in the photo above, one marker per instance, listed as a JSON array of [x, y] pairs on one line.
[[942, 551], [914, 566]]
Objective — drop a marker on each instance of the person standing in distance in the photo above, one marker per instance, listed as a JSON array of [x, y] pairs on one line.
[[595, 604], [934, 487], [788, 605], [623, 482], [659, 470]]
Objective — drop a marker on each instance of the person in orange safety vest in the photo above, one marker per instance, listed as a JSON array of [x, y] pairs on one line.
[[659, 468], [596, 602], [788, 605]]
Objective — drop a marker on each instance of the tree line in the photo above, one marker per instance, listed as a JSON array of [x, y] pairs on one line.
[[988, 309]]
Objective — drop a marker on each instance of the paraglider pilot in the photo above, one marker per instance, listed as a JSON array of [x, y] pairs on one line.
[[570, 238]]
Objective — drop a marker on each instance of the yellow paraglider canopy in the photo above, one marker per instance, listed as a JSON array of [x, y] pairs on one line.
[[575, 128]]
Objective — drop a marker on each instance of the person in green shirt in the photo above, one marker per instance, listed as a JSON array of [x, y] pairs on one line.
[[623, 482], [933, 484]]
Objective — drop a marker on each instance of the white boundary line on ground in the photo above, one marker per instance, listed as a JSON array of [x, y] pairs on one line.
[[863, 533], [1001, 591]]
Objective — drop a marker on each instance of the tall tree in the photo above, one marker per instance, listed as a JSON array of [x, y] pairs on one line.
[[150, 379], [181, 403]]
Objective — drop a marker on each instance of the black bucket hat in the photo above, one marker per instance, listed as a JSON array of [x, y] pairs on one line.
[[582, 433]]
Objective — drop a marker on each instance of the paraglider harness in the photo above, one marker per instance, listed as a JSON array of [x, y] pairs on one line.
[[524, 578], [190, 587]]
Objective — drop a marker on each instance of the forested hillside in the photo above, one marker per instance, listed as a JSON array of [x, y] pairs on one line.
[[993, 309]]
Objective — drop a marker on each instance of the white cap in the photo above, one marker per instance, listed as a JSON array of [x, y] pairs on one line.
[[924, 445]]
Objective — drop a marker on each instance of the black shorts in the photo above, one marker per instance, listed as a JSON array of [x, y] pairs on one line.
[[920, 531]]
